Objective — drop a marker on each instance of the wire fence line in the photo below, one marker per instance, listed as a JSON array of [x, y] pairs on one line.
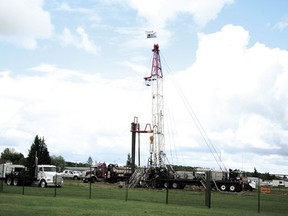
[[78, 189], [273, 201]]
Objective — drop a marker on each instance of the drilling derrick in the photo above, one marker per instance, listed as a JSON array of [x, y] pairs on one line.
[[158, 174], [157, 142]]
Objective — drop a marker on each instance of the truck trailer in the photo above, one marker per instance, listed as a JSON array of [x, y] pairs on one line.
[[111, 173], [229, 181]]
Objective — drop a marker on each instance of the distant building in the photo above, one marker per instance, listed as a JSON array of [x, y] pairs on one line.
[[279, 183]]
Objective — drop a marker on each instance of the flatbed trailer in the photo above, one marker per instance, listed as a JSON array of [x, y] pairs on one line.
[[162, 178], [222, 185]]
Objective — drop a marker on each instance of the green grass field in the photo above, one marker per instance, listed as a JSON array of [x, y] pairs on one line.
[[74, 199]]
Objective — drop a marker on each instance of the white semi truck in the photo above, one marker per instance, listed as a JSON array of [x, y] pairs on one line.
[[40, 175]]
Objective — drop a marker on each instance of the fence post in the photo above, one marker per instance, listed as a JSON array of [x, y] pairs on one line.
[[1, 186], [23, 180], [55, 185], [167, 191], [90, 183], [2, 179], [208, 189], [126, 192], [259, 191]]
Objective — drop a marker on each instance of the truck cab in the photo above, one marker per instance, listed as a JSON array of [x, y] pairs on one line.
[[46, 175]]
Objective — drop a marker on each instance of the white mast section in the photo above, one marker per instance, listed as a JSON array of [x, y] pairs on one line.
[[157, 142]]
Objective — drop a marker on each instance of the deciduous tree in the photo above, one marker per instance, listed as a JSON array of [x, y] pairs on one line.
[[58, 161], [9, 154]]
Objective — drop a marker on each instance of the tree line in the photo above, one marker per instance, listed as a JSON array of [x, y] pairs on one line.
[[40, 151]]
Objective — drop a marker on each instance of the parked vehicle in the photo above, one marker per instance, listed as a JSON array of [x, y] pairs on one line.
[[40, 175], [7, 168], [71, 174], [111, 173], [163, 178]]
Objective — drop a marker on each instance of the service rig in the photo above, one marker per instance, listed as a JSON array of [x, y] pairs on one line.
[[158, 174]]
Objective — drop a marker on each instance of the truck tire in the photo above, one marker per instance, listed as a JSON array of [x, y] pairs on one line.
[[9, 181], [93, 179], [174, 185], [42, 184], [166, 185], [223, 187], [15, 181], [232, 188], [153, 185], [143, 184], [75, 178]]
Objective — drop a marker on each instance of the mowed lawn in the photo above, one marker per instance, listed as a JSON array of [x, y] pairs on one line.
[[76, 198]]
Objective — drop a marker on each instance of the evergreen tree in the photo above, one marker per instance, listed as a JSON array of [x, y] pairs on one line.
[[129, 161], [255, 173], [38, 147], [90, 161]]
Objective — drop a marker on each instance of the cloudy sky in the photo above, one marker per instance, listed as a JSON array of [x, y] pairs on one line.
[[72, 72]]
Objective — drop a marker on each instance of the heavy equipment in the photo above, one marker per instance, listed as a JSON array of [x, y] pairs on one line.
[[158, 172]]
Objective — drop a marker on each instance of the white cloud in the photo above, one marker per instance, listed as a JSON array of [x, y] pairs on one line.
[[90, 13], [85, 42], [282, 25], [158, 13], [239, 93], [64, 6], [24, 22], [135, 67], [80, 40], [79, 114], [238, 90]]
